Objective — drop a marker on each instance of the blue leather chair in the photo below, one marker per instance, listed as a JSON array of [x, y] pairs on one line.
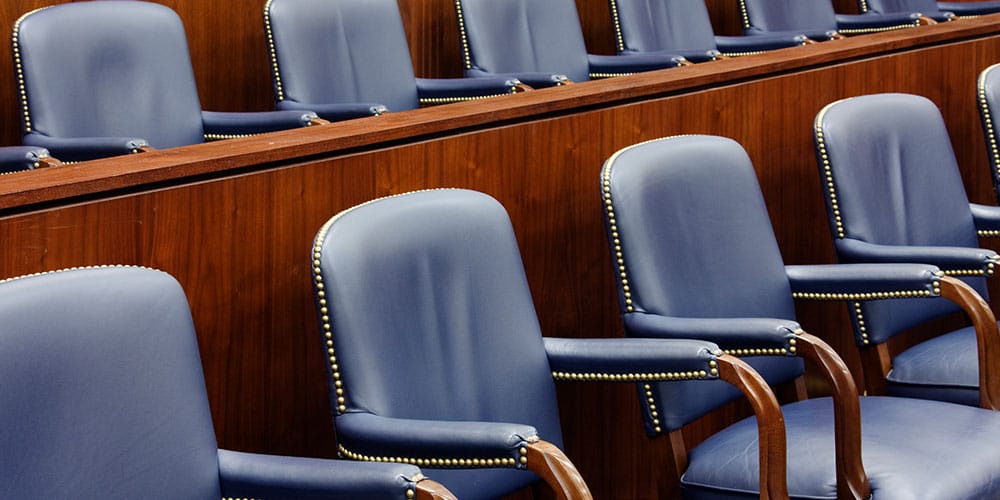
[[696, 257], [105, 78], [927, 8], [683, 27], [988, 91], [894, 194], [103, 397], [18, 158], [435, 353], [939, 11], [345, 59], [816, 19], [539, 42]]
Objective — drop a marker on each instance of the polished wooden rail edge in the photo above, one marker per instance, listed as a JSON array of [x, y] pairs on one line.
[[190, 163]]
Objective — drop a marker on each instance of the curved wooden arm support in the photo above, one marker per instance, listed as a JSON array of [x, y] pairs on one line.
[[432, 490], [839, 36], [522, 87], [925, 21], [809, 41], [549, 462], [987, 337], [770, 424], [48, 162], [852, 482], [318, 121]]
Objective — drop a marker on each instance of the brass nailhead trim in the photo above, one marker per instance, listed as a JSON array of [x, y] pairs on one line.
[[222, 137], [19, 69], [988, 233], [868, 296], [991, 139], [272, 52], [631, 377], [743, 54], [971, 272], [831, 187], [448, 100], [618, 25], [856, 310], [766, 351], [499, 462], [862, 31], [77, 268], [596, 76], [463, 37], [743, 12]]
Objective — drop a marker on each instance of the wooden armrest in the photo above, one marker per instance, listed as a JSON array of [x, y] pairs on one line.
[[549, 462], [432, 490], [925, 21], [851, 479], [987, 337], [770, 424]]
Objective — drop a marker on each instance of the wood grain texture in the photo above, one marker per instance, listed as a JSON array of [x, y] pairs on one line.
[[233, 221]]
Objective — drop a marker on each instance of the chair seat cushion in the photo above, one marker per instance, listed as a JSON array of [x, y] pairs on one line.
[[944, 368], [949, 460]]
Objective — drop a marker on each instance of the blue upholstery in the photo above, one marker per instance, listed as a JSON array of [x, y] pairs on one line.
[[17, 158], [104, 78], [538, 41], [927, 8], [434, 349], [696, 257], [988, 86], [682, 27], [912, 449], [103, 397], [967, 9], [895, 194], [815, 18], [344, 59]]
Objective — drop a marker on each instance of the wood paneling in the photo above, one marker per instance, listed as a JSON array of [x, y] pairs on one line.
[[233, 221]]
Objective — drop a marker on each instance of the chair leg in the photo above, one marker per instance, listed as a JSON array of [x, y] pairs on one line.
[[669, 460]]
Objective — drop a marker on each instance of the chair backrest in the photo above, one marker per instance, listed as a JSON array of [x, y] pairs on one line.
[[508, 36], [892, 179], [102, 393], [662, 25], [926, 7], [340, 51], [989, 110], [695, 241], [424, 300], [761, 16], [107, 68]]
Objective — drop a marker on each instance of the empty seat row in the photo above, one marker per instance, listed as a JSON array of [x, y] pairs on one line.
[[435, 357], [334, 60]]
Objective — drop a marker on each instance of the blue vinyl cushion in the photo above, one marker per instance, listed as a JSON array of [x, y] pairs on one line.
[[896, 436], [115, 411], [108, 77], [899, 197], [695, 255], [103, 397]]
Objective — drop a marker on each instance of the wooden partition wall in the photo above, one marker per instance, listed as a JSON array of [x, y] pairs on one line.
[[233, 220], [228, 51]]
